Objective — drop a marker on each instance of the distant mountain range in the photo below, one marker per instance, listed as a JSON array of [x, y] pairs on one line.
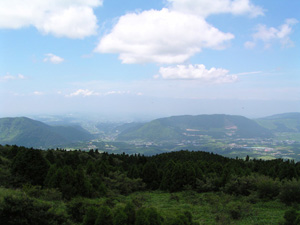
[[286, 122], [191, 127], [31, 133]]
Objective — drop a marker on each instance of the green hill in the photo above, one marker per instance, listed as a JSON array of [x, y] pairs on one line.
[[191, 127], [32, 133], [286, 122]]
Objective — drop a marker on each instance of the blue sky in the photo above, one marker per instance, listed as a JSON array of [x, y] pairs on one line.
[[151, 58]]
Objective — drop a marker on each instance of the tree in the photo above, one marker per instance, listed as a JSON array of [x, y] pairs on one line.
[[104, 217], [30, 166], [90, 216], [130, 212], [120, 217]]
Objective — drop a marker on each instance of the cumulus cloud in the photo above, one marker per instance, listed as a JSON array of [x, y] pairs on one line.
[[172, 34], [72, 19], [83, 92], [161, 36], [8, 77], [269, 34], [196, 72], [53, 58], [205, 8]]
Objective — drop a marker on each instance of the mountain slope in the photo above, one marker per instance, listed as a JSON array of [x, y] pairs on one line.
[[191, 127], [32, 133], [286, 122]]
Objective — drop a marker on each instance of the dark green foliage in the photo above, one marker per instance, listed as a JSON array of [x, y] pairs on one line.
[[142, 217], [181, 219], [105, 216], [69, 176], [130, 213], [120, 217], [267, 188], [119, 182], [25, 211], [290, 192], [150, 175], [148, 216], [30, 166], [76, 208], [90, 216], [240, 185], [292, 217]]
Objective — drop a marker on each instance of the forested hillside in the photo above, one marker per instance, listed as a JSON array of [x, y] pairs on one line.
[[286, 122], [191, 127], [75, 187], [31, 133]]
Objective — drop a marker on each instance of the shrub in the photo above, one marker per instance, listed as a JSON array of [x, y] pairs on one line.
[[120, 217], [24, 211], [105, 216], [90, 216], [235, 210], [291, 217], [267, 188], [290, 192]]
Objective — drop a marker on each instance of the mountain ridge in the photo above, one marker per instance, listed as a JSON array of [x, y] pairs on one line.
[[32, 133], [179, 127]]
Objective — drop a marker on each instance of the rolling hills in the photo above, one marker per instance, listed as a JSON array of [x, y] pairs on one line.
[[31, 133], [185, 127], [286, 122]]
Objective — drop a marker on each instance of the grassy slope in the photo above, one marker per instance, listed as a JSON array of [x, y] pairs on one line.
[[205, 207]]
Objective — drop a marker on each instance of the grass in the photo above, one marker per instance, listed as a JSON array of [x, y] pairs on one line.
[[206, 208]]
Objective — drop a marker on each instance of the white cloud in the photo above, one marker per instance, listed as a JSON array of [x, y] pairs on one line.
[[72, 19], [197, 72], [249, 44], [161, 36], [53, 58], [173, 34], [269, 34], [8, 77], [205, 8], [38, 93], [82, 92], [117, 92]]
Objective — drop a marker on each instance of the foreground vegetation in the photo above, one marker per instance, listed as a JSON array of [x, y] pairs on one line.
[[60, 187]]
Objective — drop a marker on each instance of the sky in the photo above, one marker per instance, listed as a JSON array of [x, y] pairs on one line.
[[149, 58]]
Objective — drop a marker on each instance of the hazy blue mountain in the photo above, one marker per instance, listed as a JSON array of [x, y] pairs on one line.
[[32, 133], [286, 122], [190, 127]]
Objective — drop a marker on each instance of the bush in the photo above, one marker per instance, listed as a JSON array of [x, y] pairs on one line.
[[240, 186], [24, 211], [120, 217], [267, 188], [148, 216], [105, 216], [90, 216], [291, 217], [290, 192], [130, 213], [76, 208]]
